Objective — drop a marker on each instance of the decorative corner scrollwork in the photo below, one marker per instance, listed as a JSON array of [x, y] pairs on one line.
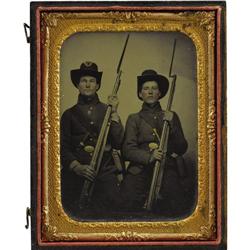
[[211, 123], [208, 231], [213, 231], [50, 19], [48, 231], [212, 219], [207, 22], [203, 19], [204, 232]]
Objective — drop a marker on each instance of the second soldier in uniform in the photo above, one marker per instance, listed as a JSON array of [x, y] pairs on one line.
[[140, 148]]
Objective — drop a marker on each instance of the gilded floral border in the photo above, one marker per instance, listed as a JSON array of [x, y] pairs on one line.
[[56, 224]]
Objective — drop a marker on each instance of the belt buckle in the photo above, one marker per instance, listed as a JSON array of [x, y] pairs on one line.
[[89, 149]]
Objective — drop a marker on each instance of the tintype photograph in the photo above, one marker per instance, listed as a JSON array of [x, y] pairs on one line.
[[148, 80], [129, 125]]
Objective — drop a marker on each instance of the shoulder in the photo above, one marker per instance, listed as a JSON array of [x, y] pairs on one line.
[[101, 106], [134, 116], [133, 119], [68, 113], [175, 116]]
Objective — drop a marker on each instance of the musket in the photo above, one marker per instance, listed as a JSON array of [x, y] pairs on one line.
[[159, 166], [97, 156]]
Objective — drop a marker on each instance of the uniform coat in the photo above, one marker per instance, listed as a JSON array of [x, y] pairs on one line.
[[80, 127], [141, 129]]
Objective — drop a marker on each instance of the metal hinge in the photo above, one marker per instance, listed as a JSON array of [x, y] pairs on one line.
[[28, 214], [26, 27]]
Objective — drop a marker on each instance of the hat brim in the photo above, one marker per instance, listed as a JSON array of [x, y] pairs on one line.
[[162, 81], [76, 74]]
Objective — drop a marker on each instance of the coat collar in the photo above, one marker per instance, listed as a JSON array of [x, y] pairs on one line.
[[152, 115], [152, 108], [86, 100]]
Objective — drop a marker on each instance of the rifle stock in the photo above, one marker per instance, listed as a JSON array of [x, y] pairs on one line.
[[158, 170]]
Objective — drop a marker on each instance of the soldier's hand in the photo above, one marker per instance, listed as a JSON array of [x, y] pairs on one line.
[[168, 115], [115, 117], [113, 101], [86, 171], [156, 155]]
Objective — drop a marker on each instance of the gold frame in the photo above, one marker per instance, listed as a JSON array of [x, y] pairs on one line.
[[55, 224]]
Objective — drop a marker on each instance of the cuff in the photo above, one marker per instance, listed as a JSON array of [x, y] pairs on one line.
[[73, 164]]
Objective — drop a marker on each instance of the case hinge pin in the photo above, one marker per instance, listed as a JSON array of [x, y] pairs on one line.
[[28, 214], [26, 27]]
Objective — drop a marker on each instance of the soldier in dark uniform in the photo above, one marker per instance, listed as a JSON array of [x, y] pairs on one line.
[[80, 127], [140, 148]]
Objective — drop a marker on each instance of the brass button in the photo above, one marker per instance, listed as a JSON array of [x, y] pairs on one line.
[[89, 112], [90, 108], [155, 117], [91, 122]]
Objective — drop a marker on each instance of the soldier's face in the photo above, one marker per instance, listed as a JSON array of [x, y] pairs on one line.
[[88, 85], [150, 92]]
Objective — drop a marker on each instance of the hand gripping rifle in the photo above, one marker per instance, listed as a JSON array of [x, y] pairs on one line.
[[96, 159], [160, 165]]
